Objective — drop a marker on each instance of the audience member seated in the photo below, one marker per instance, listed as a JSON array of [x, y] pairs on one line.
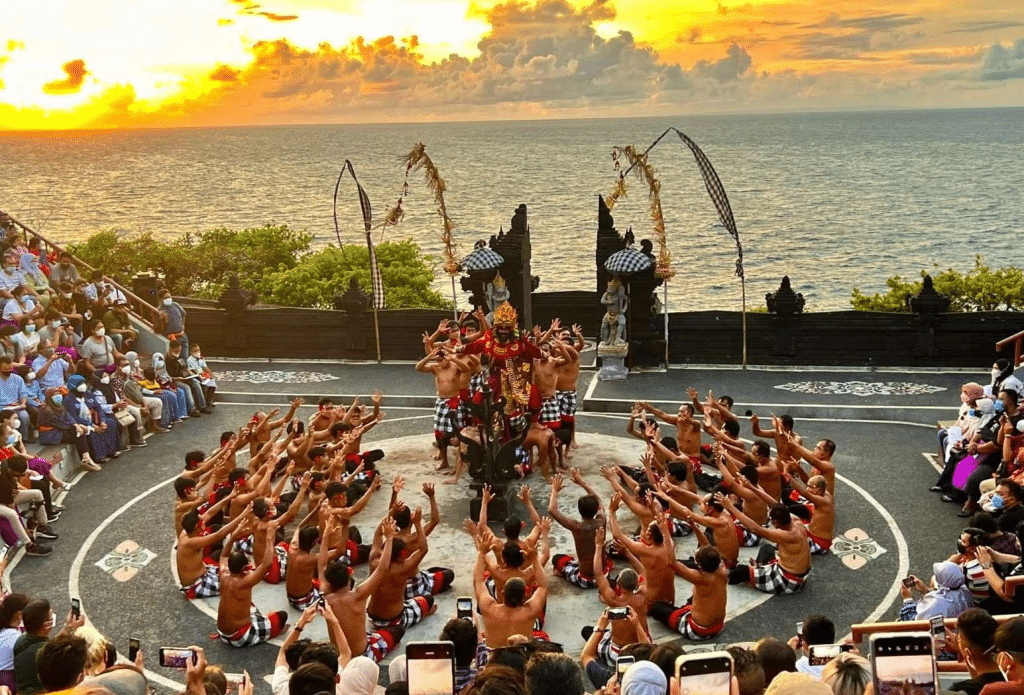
[[64, 271], [87, 411], [35, 279], [119, 326], [57, 425], [98, 351], [948, 595]]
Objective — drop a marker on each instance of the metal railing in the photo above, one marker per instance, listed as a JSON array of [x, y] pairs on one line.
[[1014, 340], [142, 310]]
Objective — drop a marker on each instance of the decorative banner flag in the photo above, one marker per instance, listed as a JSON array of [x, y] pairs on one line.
[[377, 283]]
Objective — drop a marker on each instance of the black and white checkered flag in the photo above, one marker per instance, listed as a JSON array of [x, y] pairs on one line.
[[376, 281], [717, 192]]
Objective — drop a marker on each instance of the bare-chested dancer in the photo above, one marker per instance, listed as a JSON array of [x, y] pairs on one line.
[[349, 603], [388, 605], [447, 370], [821, 528], [568, 377], [703, 616], [238, 622], [785, 574], [578, 572], [305, 561], [545, 379], [687, 429], [654, 550], [630, 591], [198, 578], [515, 614]]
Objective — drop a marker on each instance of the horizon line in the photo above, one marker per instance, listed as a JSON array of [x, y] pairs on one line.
[[709, 114]]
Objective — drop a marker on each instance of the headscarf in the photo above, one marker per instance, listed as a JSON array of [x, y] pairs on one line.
[[1005, 370], [29, 264], [133, 357], [160, 368], [950, 597], [106, 389], [73, 382], [643, 678], [973, 390], [360, 677]]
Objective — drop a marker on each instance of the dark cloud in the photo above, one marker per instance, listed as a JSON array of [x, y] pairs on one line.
[[855, 38], [736, 63], [944, 58], [983, 25], [75, 71], [1003, 62]]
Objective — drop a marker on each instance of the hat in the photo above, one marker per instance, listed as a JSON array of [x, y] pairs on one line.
[[643, 678], [973, 390], [791, 683], [1009, 636]]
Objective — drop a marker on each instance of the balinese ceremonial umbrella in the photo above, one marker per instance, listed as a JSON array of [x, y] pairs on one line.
[[482, 258], [626, 262]]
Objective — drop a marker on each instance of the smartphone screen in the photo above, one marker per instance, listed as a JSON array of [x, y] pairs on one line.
[[938, 628], [235, 680], [175, 657], [133, 648], [903, 663], [76, 608], [431, 668], [618, 613], [622, 664], [464, 607], [821, 654], [705, 674]]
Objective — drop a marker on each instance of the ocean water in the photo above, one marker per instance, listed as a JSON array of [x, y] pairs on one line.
[[835, 201]]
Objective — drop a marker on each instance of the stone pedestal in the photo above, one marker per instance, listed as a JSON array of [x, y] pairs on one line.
[[613, 357]]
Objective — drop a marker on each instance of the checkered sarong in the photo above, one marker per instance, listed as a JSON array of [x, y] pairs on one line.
[[566, 404], [303, 602], [413, 610], [446, 415], [745, 536], [819, 546], [607, 651], [476, 383], [279, 567], [207, 586], [568, 568], [378, 644], [679, 528], [772, 579], [427, 583], [259, 630], [682, 622], [245, 545], [550, 414]]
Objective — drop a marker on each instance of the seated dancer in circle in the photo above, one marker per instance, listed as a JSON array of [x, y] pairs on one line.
[[578, 572], [239, 623], [785, 574], [703, 616]]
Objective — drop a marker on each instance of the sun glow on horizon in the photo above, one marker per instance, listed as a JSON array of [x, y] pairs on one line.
[[66, 64]]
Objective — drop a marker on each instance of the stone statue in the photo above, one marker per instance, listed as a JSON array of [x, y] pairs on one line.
[[497, 294], [613, 326]]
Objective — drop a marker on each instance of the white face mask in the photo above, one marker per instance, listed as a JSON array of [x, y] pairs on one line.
[[138, 363], [168, 301], [54, 325], [101, 332], [995, 374], [66, 295], [105, 379], [30, 376], [126, 369], [81, 388]]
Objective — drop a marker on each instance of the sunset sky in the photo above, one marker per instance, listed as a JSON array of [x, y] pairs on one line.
[[102, 64]]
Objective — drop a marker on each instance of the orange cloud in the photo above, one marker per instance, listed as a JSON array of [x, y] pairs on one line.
[[75, 71], [224, 73], [273, 17]]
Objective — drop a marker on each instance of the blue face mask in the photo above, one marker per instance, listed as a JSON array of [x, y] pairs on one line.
[[998, 406], [58, 399], [997, 501], [972, 412]]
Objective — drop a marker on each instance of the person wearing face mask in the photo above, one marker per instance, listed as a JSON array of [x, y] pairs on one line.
[[184, 407], [142, 407], [1008, 646], [1003, 378], [21, 305], [197, 365], [34, 400], [86, 410], [52, 368], [27, 339], [70, 305], [98, 351], [64, 271], [184, 376], [129, 427], [35, 279], [1008, 416], [975, 635], [119, 326], [14, 396], [10, 277], [170, 320], [58, 426]]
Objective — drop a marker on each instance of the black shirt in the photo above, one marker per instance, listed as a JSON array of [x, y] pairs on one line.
[[971, 686], [25, 671], [1009, 519]]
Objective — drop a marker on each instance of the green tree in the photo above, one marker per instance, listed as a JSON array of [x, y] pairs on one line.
[[979, 289], [407, 275]]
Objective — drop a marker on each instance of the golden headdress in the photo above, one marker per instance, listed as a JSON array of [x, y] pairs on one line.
[[505, 314], [498, 280]]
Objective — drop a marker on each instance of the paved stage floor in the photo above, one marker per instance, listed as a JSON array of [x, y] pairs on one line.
[[115, 550]]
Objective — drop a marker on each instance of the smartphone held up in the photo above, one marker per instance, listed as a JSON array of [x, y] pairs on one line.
[[903, 663]]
